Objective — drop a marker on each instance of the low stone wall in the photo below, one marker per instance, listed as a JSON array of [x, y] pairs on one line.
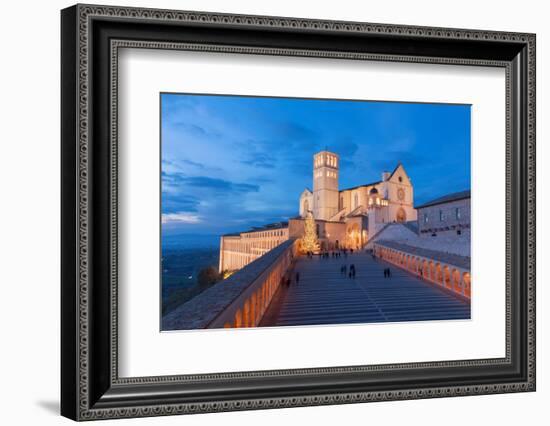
[[238, 301], [443, 269]]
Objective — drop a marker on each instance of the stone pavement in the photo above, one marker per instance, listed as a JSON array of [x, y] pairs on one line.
[[325, 296]]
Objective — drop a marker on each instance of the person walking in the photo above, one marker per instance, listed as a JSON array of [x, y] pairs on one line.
[[297, 278]]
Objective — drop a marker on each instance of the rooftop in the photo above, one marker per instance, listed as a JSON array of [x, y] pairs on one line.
[[361, 186], [373, 183], [268, 227], [455, 196]]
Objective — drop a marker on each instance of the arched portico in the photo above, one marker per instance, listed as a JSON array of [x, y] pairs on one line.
[[447, 276], [466, 284], [453, 278], [238, 319], [457, 287], [425, 269], [438, 274]]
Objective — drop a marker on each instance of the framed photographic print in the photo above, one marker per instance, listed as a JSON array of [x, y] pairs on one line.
[[263, 212]]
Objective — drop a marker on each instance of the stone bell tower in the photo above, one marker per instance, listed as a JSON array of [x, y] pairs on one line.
[[325, 184]]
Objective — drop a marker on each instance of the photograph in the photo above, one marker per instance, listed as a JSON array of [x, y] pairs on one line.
[[279, 211]]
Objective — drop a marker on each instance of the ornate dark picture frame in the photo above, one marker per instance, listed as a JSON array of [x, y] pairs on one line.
[[91, 37]]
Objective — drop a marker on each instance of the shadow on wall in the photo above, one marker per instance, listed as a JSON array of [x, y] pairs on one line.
[[51, 407]]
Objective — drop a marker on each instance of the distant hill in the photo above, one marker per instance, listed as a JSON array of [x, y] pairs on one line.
[[188, 241]]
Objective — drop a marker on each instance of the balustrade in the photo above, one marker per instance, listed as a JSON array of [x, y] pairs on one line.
[[453, 278]]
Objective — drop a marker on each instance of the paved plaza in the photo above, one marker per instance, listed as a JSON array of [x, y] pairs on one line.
[[325, 296]]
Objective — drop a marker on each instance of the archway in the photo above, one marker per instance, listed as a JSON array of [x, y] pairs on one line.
[[252, 310], [246, 314], [438, 274], [425, 269], [238, 319], [447, 276], [456, 281], [400, 216], [432, 271], [466, 284], [353, 236]]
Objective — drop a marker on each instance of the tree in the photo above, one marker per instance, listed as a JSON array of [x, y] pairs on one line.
[[208, 276], [309, 241]]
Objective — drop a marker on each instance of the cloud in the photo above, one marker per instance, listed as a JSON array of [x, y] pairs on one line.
[[178, 180], [261, 160], [218, 184], [195, 129], [181, 217], [176, 202], [194, 164]]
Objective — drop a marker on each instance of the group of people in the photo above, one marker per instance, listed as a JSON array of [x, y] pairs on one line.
[[351, 273], [334, 254], [387, 273]]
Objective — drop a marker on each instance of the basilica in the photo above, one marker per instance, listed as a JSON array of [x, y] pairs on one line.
[[344, 218], [348, 217]]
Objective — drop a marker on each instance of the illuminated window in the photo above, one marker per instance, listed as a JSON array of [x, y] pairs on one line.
[[457, 213], [441, 216], [425, 217]]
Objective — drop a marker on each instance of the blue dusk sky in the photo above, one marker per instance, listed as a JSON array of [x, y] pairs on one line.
[[232, 162]]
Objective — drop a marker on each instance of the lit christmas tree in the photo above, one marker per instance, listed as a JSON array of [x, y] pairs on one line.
[[309, 241]]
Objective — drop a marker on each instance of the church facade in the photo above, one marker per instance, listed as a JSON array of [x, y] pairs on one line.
[[360, 211], [345, 218]]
